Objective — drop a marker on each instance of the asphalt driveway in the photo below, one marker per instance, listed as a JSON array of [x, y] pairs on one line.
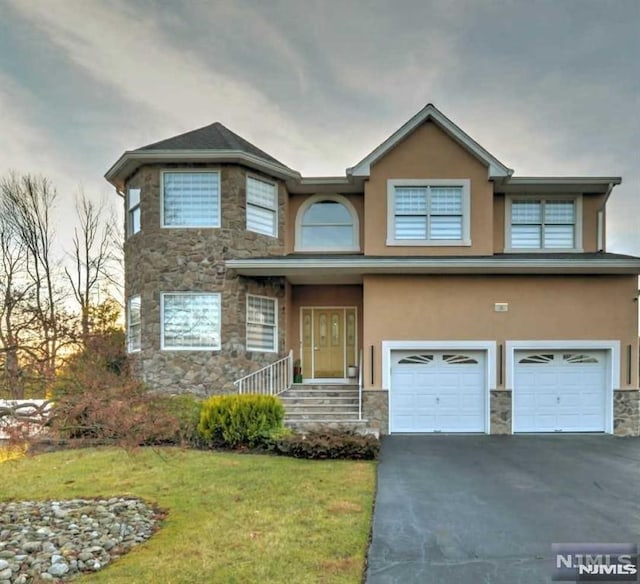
[[486, 509]]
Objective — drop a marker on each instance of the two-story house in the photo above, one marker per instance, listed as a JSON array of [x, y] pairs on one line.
[[429, 289]]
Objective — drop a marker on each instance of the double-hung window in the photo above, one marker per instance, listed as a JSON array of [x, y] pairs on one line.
[[542, 224], [429, 212], [190, 321], [133, 211], [262, 207], [134, 325], [191, 199], [262, 330]]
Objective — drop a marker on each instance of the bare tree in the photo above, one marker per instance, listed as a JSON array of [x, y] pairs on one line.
[[92, 257], [14, 320], [25, 204]]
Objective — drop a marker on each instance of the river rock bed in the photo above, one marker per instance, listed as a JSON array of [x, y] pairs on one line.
[[52, 541]]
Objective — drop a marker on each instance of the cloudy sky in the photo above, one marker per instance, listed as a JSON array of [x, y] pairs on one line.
[[549, 87]]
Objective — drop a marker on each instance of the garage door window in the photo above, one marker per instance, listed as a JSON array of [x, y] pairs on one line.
[[537, 359], [459, 360], [572, 358], [416, 359]]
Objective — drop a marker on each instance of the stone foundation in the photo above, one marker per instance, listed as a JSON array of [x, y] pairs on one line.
[[500, 412], [375, 409], [626, 412]]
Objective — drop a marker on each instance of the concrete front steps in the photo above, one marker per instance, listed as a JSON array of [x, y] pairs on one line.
[[318, 407]]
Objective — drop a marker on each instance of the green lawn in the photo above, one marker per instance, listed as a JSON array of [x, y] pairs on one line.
[[232, 518]]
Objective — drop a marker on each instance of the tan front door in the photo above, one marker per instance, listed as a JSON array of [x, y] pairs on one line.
[[328, 342]]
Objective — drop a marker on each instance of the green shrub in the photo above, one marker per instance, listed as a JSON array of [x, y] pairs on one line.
[[328, 445], [240, 420]]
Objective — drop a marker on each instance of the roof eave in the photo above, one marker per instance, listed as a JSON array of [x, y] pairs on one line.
[[362, 266], [561, 184], [131, 160]]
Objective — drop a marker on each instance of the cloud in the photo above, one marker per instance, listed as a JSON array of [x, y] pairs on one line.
[[126, 49], [319, 84]]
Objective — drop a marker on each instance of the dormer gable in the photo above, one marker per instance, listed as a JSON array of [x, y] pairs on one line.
[[495, 168]]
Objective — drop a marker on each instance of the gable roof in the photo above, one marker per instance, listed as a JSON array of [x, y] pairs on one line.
[[212, 137], [432, 113]]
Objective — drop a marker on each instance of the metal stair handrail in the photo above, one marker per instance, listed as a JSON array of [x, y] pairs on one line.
[[272, 379]]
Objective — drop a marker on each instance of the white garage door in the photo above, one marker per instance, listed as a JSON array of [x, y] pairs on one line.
[[560, 391], [437, 391]]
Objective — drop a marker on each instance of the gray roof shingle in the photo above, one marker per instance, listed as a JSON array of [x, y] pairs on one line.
[[212, 137]]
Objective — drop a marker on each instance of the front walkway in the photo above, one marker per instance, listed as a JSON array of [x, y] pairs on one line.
[[486, 509]]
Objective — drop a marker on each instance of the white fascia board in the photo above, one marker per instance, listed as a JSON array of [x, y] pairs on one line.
[[422, 265], [561, 184], [129, 161], [578, 180], [325, 184], [496, 168]]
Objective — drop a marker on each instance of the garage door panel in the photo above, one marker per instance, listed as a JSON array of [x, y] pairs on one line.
[[560, 391], [445, 393]]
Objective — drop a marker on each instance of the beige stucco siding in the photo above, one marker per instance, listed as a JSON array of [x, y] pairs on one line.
[[591, 204], [498, 222], [304, 296], [462, 308], [428, 153]]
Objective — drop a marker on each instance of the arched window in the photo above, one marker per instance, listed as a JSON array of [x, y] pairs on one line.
[[327, 223]]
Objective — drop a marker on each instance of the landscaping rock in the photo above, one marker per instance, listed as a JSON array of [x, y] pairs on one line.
[[56, 540]]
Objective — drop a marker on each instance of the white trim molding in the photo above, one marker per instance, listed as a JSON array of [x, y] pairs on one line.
[[489, 347], [304, 207], [464, 183], [131, 160], [613, 365]]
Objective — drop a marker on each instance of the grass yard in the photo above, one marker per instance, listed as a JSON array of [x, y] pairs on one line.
[[232, 518]]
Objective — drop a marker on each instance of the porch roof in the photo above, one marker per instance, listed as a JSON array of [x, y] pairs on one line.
[[349, 269]]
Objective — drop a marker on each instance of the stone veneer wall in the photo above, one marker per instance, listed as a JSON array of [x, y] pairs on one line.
[[500, 407], [193, 260], [626, 412], [375, 409]]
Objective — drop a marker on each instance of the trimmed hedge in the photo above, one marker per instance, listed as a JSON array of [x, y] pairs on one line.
[[240, 420], [328, 445]]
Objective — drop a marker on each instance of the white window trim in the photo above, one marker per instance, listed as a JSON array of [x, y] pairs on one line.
[[489, 347], [275, 209], [275, 326], [339, 199], [465, 183], [201, 348], [546, 197], [612, 348], [190, 171], [130, 210], [129, 349]]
